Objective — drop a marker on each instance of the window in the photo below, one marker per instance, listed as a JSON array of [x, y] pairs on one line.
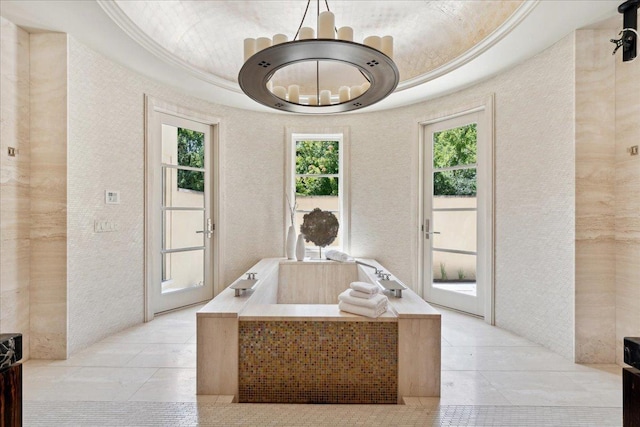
[[454, 161], [316, 179], [190, 155], [455, 209]]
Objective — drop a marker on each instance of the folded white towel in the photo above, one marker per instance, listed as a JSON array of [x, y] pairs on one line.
[[359, 294], [365, 287], [375, 302], [362, 311], [337, 255]]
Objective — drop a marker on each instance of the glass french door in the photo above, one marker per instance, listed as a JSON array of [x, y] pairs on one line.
[[452, 268], [183, 223]]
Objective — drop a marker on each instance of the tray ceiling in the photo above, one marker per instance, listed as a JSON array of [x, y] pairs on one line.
[[197, 46], [207, 36]]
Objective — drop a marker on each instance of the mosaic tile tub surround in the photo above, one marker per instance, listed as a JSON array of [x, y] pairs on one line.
[[357, 360], [318, 362]]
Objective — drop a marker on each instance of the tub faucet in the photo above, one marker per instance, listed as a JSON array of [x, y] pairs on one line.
[[251, 276], [375, 269]]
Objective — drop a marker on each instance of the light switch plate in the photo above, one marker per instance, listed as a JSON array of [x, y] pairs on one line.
[[112, 197]]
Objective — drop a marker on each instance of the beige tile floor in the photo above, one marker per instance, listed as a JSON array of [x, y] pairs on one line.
[[489, 377]]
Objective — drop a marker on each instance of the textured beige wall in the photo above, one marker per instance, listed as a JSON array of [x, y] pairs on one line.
[[105, 276], [14, 182], [48, 189], [595, 197], [534, 199], [627, 195]]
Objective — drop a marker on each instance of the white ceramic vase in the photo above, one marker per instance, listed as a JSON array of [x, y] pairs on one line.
[[300, 248], [291, 242]]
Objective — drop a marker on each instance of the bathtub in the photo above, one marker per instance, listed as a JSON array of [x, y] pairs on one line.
[[286, 341]]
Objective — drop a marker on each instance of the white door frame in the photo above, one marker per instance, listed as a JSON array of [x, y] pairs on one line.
[[486, 253], [152, 107]]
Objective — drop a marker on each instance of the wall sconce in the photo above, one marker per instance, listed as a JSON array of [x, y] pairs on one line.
[[629, 35]]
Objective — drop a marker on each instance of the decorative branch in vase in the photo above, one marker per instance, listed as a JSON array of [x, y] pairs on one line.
[[291, 234], [292, 209]]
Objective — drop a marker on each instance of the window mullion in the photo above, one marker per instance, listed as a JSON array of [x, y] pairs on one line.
[[317, 175]]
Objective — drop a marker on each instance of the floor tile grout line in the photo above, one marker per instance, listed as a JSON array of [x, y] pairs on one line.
[[500, 392], [142, 385]]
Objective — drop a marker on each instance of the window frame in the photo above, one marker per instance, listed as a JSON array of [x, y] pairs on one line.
[[341, 136]]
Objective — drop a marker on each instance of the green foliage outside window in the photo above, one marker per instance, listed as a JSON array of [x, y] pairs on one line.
[[317, 158], [453, 147], [190, 153]]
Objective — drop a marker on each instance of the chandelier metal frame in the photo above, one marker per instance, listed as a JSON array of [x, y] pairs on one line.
[[377, 68]]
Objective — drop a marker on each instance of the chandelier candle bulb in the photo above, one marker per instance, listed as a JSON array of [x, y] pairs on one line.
[[280, 38], [325, 97], [344, 93], [262, 43], [313, 100], [372, 41], [356, 91], [345, 33], [294, 94], [306, 33], [249, 48], [387, 46], [280, 92], [326, 25]]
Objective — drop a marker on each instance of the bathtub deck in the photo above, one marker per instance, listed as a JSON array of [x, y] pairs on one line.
[[307, 312]]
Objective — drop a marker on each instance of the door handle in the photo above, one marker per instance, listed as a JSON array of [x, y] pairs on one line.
[[426, 234], [209, 231], [426, 229]]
